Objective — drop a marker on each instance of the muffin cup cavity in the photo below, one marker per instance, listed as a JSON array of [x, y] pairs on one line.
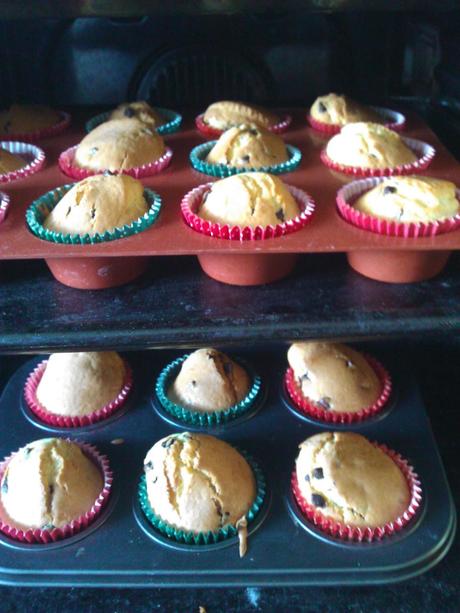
[[424, 152], [173, 121], [34, 156], [350, 193], [78, 421], [68, 166], [309, 408], [359, 534], [204, 538], [4, 206], [36, 135], [209, 131], [40, 208], [198, 161], [43, 536], [200, 418], [192, 201], [392, 120]]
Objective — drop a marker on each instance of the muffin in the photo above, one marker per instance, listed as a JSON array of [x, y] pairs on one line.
[[249, 199], [119, 144], [350, 480], [248, 146], [27, 118], [369, 145], [98, 204], [198, 483], [48, 484], [10, 162], [226, 114], [333, 376], [78, 384], [139, 110], [209, 381], [410, 200], [335, 109]]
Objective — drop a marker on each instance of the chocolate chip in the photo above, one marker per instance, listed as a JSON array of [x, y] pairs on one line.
[[389, 189], [193, 383], [321, 107], [109, 173], [93, 150], [48, 527], [305, 377], [401, 213], [211, 356], [148, 465], [228, 368], [318, 500], [280, 214], [168, 442], [5, 485], [93, 212], [27, 450], [317, 473], [307, 478], [155, 480], [129, 112], [254, 132], [245, 158], [325, 403], [68, 211]]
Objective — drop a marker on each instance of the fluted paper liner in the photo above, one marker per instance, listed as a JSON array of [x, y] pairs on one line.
[[392, 120], [36, 135], [4, 206], [172, 124], [33, 155], [209, 131]]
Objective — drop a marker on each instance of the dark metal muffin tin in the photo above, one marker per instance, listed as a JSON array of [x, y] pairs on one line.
[[283, 549]]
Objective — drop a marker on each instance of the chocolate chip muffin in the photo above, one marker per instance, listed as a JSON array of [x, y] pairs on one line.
[[10, 161], [226, 114], [48, 484], [248, 146], [198, 483], [21, 118], [369, 145], [347, 478], [119, 144], [78, 384], [209, 381], [410, 199], [339, 110], [98, 204], [333, 376], [139, 110], [249, 199]]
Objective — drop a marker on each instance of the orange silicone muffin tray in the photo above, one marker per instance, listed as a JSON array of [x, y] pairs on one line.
[[327, 232]]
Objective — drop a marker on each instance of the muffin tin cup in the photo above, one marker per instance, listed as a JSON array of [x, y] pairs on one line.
[[198, 161], [44, 536], [4, 206], [423, 151], [201, 539], [357, 534], [310, 409], [172, 125], [201, 418], [36, 135], [209, 131], [67, 421], [68, 166], [34, 156], [392, 120], [192, 201], [351, 192]]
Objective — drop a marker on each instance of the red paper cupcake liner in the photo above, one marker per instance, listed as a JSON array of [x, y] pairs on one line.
[[350, 192], [32, 137], [394, 121], [41, 536], [308, 407], [68, 167], [194, 198], [4, 205], [33, 155], [424, 151], [67, 421], [208, 130], [346, 532]]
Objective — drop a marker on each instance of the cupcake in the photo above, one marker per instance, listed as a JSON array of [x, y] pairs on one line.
[[27, 118], [199, 486], [49, 484], [10, 162], [226, 114], [340, 110], [118, 145], [347, 485], [369, 145], [140, 110]]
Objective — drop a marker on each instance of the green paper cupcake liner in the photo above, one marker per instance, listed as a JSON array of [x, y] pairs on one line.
[[173, 121], [199, 418], [41, 207], [203, 538], [198, 161]]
